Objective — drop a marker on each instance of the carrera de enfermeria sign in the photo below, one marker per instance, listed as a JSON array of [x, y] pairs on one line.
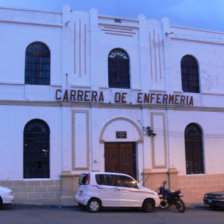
[[91, 96]]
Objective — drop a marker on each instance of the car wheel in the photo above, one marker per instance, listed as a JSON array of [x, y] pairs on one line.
[[1, 203], [148, 205], [94, 205]]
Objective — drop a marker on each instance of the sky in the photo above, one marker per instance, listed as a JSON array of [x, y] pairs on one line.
[[202, 14]]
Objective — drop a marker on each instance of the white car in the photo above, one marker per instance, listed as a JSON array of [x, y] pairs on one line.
[[6, 196], [103, 189]]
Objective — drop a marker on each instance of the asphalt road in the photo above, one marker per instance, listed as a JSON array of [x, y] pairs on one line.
[[73, 215]]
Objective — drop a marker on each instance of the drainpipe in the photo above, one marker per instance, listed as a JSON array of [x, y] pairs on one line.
[[168, 149], [143, 152], [91, 137], [141, 46], [62, 154], [166, 32], [93, 46]]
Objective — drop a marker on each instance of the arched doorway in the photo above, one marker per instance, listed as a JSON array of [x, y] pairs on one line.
[[121, 137]]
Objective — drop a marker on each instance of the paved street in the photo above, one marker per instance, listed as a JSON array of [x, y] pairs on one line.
[[67, 215]]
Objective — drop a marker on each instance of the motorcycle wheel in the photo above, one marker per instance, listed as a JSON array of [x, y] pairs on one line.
[[164, 203], [180, 205]]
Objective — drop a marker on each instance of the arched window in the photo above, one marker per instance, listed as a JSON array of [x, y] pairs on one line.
[[118, 68], [36, 149], [193, 149], [190, 74], [37, 64]]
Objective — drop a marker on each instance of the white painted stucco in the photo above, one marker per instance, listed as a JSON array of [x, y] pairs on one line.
[[79, 44]]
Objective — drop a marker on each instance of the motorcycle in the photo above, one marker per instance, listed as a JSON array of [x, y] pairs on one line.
[[168, 198]]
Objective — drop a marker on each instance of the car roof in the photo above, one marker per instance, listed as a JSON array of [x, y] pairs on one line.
[[112, 173]]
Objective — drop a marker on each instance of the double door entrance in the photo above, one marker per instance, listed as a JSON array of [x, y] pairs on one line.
[[120, 157]]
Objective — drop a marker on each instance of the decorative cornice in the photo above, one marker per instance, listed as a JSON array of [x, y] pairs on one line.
[[31, 23], [109, 105], [30, 10]]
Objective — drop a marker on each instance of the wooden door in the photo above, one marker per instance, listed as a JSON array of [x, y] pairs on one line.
[[120, 157]]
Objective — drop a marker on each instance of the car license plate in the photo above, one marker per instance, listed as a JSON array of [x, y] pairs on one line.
[[209, 201]]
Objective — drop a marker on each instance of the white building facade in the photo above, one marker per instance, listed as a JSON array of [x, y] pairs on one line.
[[80, 91]]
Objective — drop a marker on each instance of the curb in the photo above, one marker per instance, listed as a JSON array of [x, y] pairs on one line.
[[195, 205], [75, 204], [62, 205]]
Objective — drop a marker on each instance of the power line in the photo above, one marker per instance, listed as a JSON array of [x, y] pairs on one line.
[[181, 134]]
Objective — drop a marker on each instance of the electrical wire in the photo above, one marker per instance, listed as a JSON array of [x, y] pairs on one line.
[[181, 134]]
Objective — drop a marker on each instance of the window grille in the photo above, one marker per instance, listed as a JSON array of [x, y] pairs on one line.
[[193, 149], [118, 68], [190, 74], [36, 149], [37, 64]]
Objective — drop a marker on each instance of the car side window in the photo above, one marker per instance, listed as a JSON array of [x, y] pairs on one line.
[[115, 180], [102, 179], [128, 182], [108, 179]]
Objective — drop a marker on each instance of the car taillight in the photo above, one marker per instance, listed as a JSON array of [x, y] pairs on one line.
[[88, 179]]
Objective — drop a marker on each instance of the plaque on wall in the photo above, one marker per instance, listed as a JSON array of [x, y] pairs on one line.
[[121, 134]]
